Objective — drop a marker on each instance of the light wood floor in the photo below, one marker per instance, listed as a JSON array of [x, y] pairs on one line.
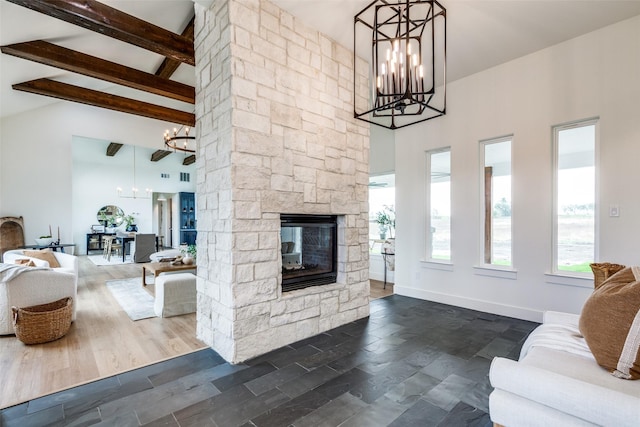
[[103, 341]]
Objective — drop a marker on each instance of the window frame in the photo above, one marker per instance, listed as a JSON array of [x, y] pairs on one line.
[[482, 165], [555, 131], [428, 234]]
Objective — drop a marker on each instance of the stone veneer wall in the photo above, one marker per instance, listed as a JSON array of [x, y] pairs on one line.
[[276, 134]]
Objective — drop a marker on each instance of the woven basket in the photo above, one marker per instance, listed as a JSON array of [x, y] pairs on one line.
[[602, 271], [43, 323]]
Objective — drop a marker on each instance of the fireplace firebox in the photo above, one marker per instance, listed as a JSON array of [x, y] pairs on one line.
[[309, 250]]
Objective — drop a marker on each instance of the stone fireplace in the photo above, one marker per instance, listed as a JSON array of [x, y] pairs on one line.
[[276, 134]]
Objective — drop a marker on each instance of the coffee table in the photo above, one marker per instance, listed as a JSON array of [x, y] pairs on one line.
[[163, 267]]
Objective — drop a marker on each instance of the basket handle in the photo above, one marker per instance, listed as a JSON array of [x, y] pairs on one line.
[[15, 309]]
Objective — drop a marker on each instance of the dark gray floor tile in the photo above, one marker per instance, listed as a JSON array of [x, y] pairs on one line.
[[332, 413], [275, 378], [421, 414], [243, 376], [476, 369], [200, 413], [121, 419], [166, 421], [464, 415], [371, 389], [478, 395], [449, 392], [289, 411], [412, 389], [308, 381], [104, 386], [190, 365], [343, 383], [382, 412], [498, 347], [234, 415], [444, 366], [46, 416]]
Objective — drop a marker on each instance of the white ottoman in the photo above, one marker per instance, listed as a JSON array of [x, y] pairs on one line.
[[175, 294]]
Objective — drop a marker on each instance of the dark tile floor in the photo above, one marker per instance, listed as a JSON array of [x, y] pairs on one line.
[[411, 363]]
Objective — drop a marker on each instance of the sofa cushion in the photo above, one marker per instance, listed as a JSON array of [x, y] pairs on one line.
[[27, 262], [46, 255], [610, 323], [37, 262]]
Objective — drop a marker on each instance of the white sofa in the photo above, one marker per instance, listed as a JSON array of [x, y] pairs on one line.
[[68, 263], [32, 287], [557, 382]]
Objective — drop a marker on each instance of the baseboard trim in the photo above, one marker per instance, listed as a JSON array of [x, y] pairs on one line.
[[471, 303]]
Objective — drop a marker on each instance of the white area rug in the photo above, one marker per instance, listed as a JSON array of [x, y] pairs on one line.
[[115, 260], [133, 299]]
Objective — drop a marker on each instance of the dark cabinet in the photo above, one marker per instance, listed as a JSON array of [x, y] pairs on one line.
[[187, 219], [95, 241]]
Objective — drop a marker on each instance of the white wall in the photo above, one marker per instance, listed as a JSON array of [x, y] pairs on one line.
[[36, 160], [593, 75]]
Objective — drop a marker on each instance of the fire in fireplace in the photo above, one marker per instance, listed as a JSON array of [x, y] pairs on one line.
[[309, 250]]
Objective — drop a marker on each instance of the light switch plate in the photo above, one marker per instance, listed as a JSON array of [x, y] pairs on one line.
[[614, 211]]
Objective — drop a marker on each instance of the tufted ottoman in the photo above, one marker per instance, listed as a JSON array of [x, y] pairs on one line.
[[175, 294]]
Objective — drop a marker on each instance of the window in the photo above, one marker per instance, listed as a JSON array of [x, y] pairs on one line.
[[439, 205], [382, 200], [496, 193], [574, 207]]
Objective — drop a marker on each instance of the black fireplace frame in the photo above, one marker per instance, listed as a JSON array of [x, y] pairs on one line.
[[301, 220]]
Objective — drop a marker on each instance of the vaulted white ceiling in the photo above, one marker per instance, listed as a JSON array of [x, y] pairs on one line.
[[480, 35]]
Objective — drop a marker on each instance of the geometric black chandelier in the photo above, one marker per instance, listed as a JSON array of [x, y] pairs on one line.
[[403, 45], [179, 142]]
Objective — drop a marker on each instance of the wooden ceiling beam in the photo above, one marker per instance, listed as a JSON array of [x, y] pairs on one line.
[[77, 62], [95, 98], [169, 66], [113, 148], [189, 160], [159, 155], [103, 19]]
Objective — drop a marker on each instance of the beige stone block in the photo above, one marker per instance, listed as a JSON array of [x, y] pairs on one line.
[[306, 161], [244, 273], [266, 270], [268, 50], [307, 328], [252, 325], [330, 180], [290, 35], [285, 115], [241, 15], [245, 241], [329, 306], [311, 300], [296, 316], [256, 178], [295, 140], [281, 182], [304, 174], [310, 193], [326, 45], [286, 20], [261, 255], [245, 88], [256, 143], [344, 296], [299, 53], [280, 201], [255, 292], [247, 210], [268, 240], [251, 121], [283, 165], [276, 39]]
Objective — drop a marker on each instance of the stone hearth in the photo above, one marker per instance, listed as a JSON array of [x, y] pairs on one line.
[[276, 134]]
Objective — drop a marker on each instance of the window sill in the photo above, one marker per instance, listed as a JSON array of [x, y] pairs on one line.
[[569, 280], [437, 265], [496, 271]]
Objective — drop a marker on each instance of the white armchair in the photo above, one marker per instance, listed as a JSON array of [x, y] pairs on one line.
[[32, 287]]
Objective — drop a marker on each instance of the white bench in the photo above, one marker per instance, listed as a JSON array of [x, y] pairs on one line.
[[175, 294]]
